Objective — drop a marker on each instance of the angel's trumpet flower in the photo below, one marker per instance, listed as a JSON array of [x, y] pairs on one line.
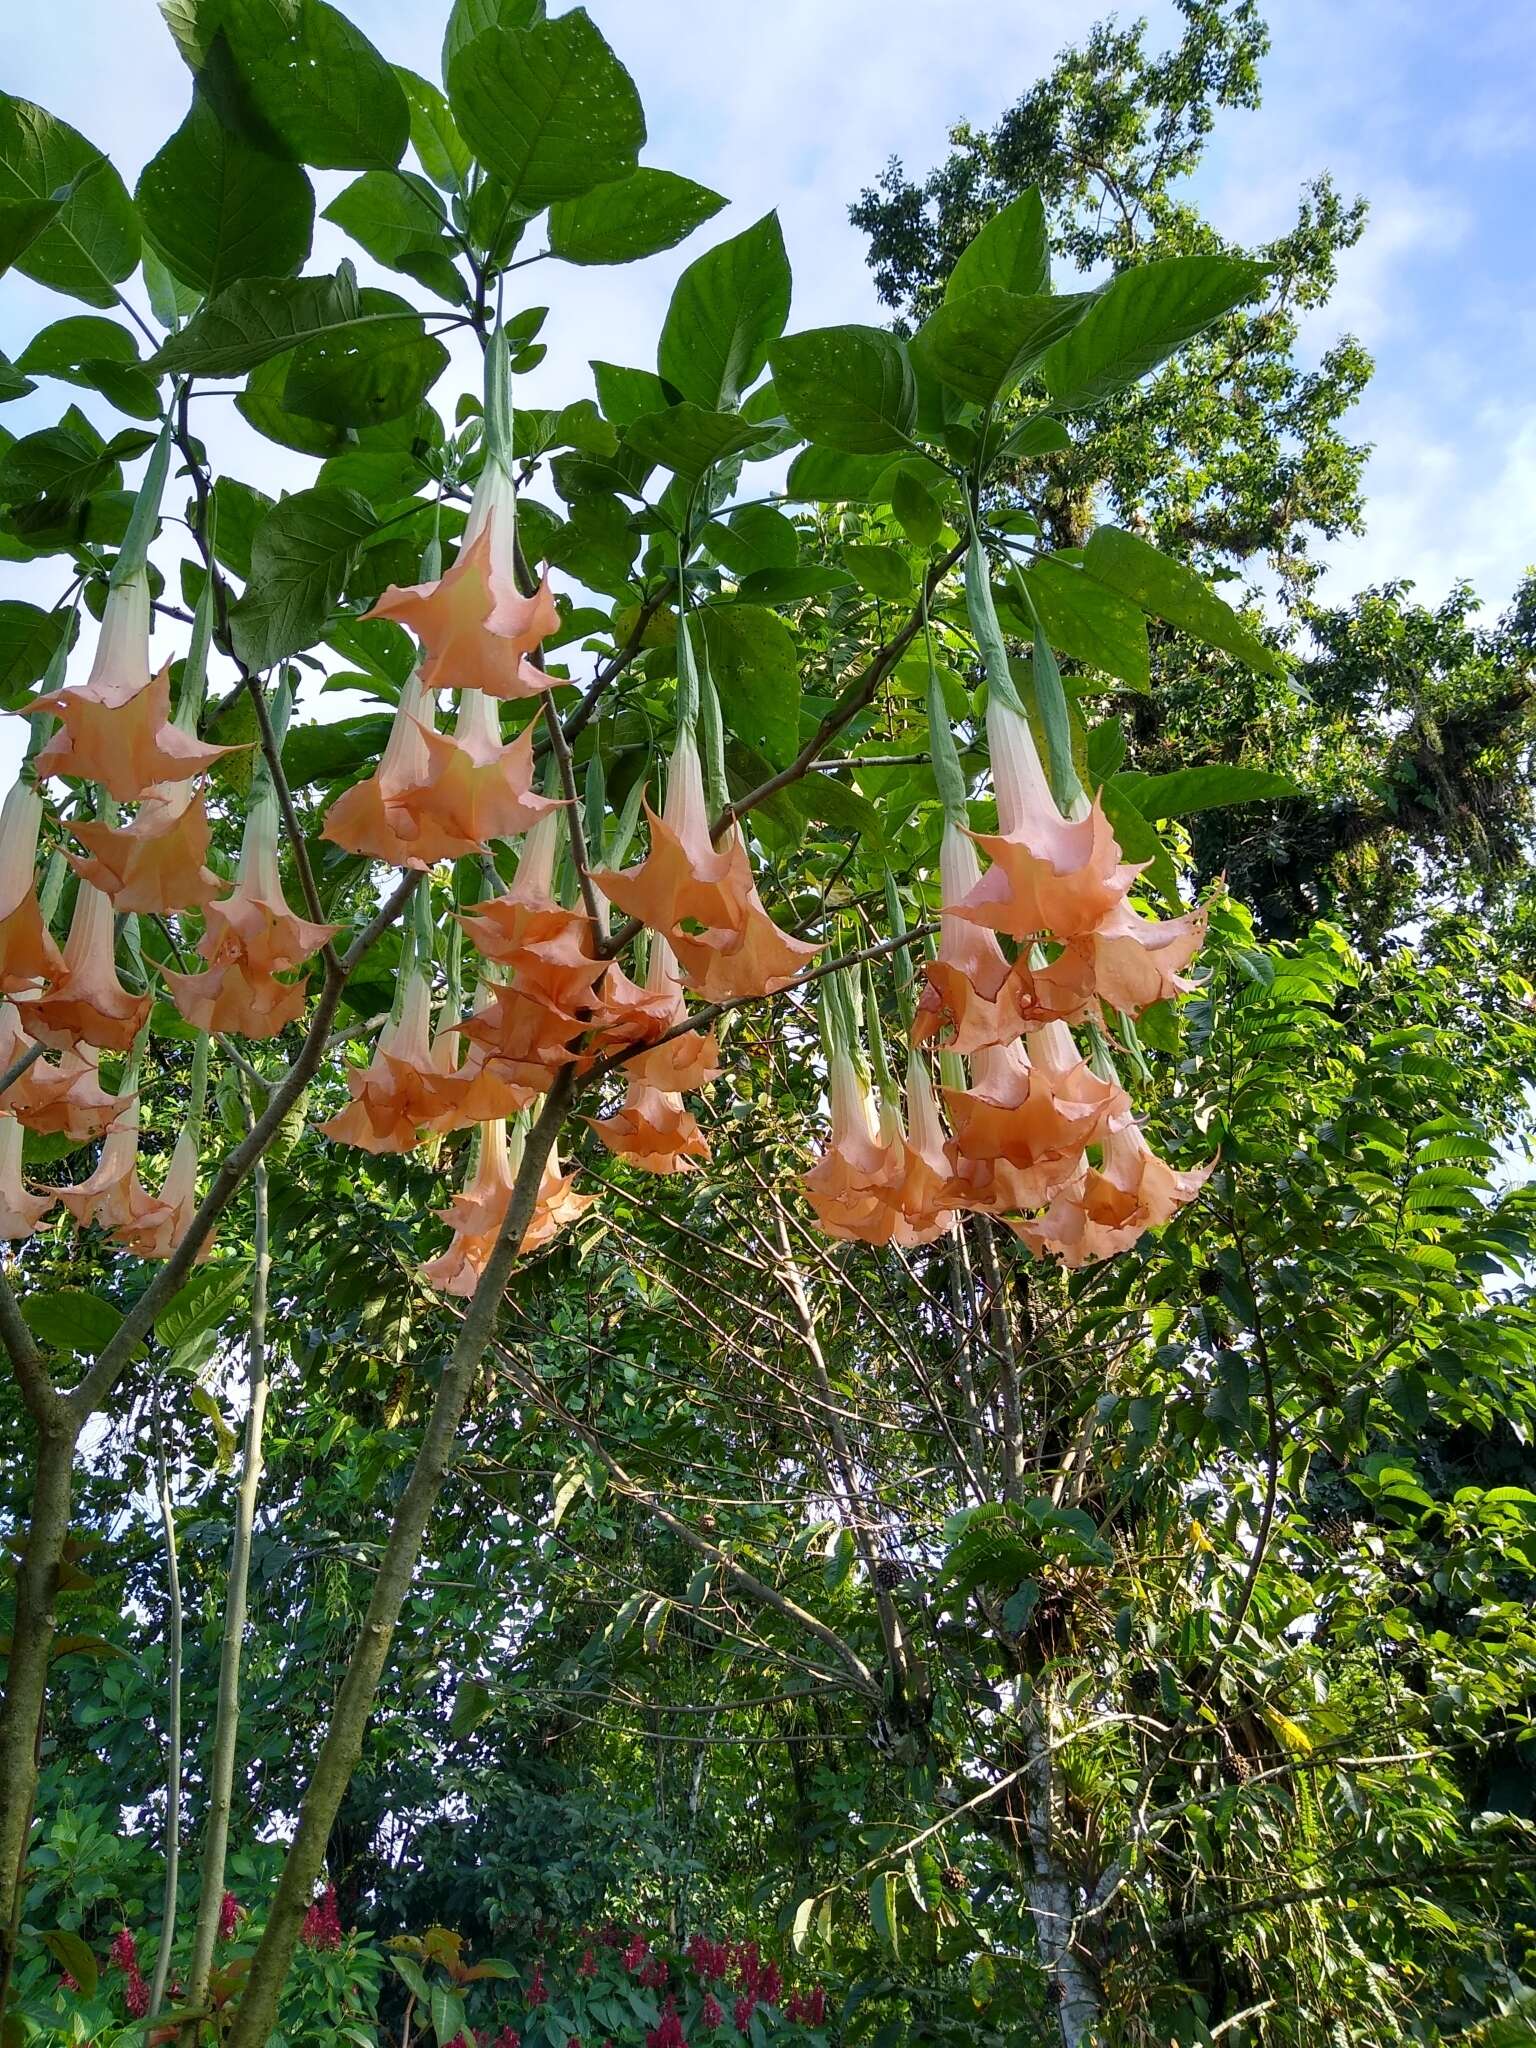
[[116, 727], [475, 788], [684, 878], [1033, 1114], [155, 864], [546, 949], [1104, 1209], [1129, 962], [28, 954], [973, 998], [925, 1191], [63, 1097], [20, 1210], [397, 1094], [113, 1197], [557, 1205], [476, 627], [487, 1086], [476, 1215], [155, 1233], [89, 1005], [369, 818], [855, 1185], [248, 940], [681, 1062], [652, 1128]]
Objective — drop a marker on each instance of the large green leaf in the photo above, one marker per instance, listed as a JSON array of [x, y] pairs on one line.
[[87, 350], [849, 388], [1139, 319], [827, 476], [202, 1304], [361, 375], [398, 218], [69, 1319], [261, 404], [298, 72], [1086, 619], [261, 317], [1170, 592], [29, 639], [982, 343], [12, 383], [1012, 252], [217, 207], [688, 440], [470, 18], [631, 217], [756, 671], [435, 134], [550, 109], [626, 395], [91, 242], [299, 560], [1184, 791], [21, 222], [754, 537], [728, 309]]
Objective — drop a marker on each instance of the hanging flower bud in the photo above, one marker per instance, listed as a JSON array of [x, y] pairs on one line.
[[20, 1210], [926, 1204], [855, 1185], [89, 1003], [28, 954]]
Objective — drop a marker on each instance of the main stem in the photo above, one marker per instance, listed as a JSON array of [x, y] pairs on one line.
[[226, 1726], [172, 1742], [343, 1744]]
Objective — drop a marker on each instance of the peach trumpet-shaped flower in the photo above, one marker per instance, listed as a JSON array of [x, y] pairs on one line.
[[926, 1207], [20, 1210], [28, 954], [116, 726], [475, 626], [855, 1185], [974, 998], [684, 877], [1104, 1209], [486, 1086], [249, 939], [397, 1094], [654, 1130], [1129, 962], [1048, 874], [475, 788], [1023, 1125], [556, 1206], [62, 1097], [89, 1004], [113, 1197], [477, 1213], [155, 864], [683, 1062], [546, 949], [155, 1233], [756, 960], [369, 818]]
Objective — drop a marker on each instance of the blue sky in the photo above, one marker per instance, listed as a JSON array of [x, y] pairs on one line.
[[1423, 107]]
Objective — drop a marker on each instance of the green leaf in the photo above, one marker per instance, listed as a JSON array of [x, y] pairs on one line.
[[983, 1980], [261, 404], [918, 511], [91, 242], [217, 207], [69, 1319], [361, 375], [257, 318], [825, 475], [203, 1303], [29, 639], [12, 383], [688, 440], [1012, 252], [727, 310], [1183, 791], [337, 751], [21, 222], [1036, 436], [64, 349], [753, 660], [1174, 594], [470, 18], [984, 342], [849, 388], [412, 1979], [549, 109], [630, 217], [435, 135], [882, 571], [313, 81], [1139, 319], [800, 1924], [882, 1908], [299, 561], [1086, 619], [398, 218], [754, 537], [626, 395], [73, 1954]]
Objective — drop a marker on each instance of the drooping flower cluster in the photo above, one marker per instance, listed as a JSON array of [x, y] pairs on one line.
[[321, 1928], [1043, 1137], [124, 1956]]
